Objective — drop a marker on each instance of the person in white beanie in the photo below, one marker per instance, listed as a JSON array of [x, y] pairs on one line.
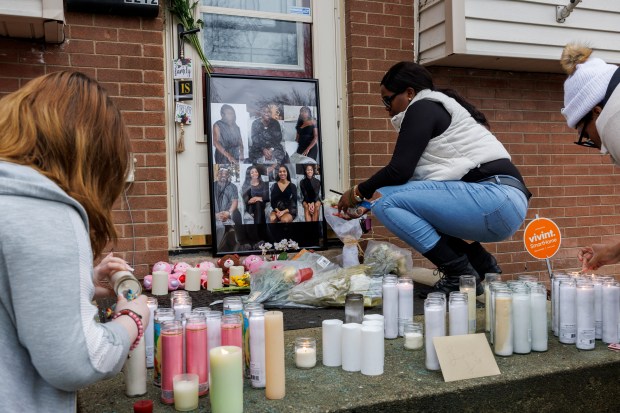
[[592, 106]]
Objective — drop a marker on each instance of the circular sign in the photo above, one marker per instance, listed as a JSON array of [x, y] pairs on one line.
[[542, 238]]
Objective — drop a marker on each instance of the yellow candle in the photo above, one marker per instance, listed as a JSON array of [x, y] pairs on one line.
[[226, 379], [274, 355]]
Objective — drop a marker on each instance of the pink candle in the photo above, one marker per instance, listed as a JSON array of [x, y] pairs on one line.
[[231, 331], [196, 351], [172, 357]]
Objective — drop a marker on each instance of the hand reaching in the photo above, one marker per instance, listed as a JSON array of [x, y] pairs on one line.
[[102, 272], [598, 255]]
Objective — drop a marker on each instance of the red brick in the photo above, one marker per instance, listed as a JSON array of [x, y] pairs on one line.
[[118, 49]]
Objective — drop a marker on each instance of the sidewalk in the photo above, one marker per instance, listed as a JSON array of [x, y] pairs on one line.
[[561, 379]]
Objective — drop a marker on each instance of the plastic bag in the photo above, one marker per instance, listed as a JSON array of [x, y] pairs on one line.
[[349, 232], [386, 258]]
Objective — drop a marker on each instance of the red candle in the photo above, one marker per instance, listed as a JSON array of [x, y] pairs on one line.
[[196, 351], [143, 406]]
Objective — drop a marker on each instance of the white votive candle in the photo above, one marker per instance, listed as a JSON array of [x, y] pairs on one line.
[[214, 278], [305, 352], [611, 308], [159, 285], [435, 325], [521, 321], [390, 307], [373, 351], [567, 323], [332, 342], [192, 279], [185, 387], [458, 313], [585, 316], [538, 316], [405, 301], [352, 347]]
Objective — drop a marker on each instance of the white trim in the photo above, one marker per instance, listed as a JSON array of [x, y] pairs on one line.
[[257, 14]]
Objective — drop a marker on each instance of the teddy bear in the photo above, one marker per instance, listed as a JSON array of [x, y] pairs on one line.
[[173, 279], [225, 263], [252, 263]]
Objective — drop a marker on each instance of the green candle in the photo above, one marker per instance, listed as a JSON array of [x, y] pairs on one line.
[[226, 379]]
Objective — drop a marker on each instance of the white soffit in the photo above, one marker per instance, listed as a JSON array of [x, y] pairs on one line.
[[33, 19]]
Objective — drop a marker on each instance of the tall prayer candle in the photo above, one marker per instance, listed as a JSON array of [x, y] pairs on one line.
[[214, 331], [172, 358], [161, 314], [257, 348], [196, 350], [611, 308], [373, 351], [226, 379], [149, 332], [488, 279], [555, 301], [245, 334], [181, 305], [405, 300], [332, 342], [538, 315], [435, 326], [352, 347], [567, 323], [585, 316], [192, 279], [458, 313], [214, 278], [521, 321], [390, 306], [275, 387], [135, 371], [502, 329], [159, 285], [467, 284], [598, 308], [231, 331]]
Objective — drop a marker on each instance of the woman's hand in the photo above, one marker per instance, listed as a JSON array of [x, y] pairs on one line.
[[598, 255], [345, 201], [102, 272], [138, 305]]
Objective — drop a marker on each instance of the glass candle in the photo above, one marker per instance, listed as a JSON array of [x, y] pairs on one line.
[[245, 334], [226, 379], [405, 300], [598, 307], [275, 382], [186, 391], [181, 305], [467, 284], [495, 286], [502, 329], [585, 316], [538, 314], [521, 320], [161, 314], [149, 332], [232, 334], [611, 308], [257, 348], [353, 308], [567, 321], [196, 350], [126, 284], [177, 293], [172, 357], [435, 324], [488, 279], [390, 306], [135, 371], [233, 305], [555, 300], [458, 313], [305, 352], [414, 336]]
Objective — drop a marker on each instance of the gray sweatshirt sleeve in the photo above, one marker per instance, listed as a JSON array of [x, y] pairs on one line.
[[50, 279]]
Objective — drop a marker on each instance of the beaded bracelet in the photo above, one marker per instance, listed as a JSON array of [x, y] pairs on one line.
[[138, 320]]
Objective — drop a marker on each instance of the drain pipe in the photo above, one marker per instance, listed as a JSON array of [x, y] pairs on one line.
[[416, 31], [562, 12]]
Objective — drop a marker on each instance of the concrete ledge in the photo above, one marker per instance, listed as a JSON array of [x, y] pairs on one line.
[[561, 379]]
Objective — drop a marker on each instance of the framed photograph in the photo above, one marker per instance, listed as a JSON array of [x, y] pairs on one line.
[[264, 137]]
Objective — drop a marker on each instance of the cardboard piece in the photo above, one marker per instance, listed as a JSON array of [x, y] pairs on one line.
[[465, 357]]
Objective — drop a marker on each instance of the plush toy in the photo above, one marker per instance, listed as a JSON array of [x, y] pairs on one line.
[[180, 267], [204, 266], [225, 263], [147, 282], [162, 266], [252, 263]]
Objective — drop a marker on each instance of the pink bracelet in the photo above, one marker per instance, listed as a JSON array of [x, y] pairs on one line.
[[138, 320]]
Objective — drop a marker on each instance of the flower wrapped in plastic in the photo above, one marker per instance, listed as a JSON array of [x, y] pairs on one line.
[[349, 232], [386, 258], [274, 280]]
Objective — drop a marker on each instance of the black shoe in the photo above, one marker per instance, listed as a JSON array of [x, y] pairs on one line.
[[450, 276], [482, 260]]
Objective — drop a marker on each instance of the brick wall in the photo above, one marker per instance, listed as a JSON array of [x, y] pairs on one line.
[[574, 186], [126, 55]]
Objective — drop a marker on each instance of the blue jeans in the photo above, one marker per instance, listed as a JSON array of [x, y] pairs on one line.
[[418, 210]]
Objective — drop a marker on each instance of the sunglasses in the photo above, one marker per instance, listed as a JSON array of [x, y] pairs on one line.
[[583, 139], [387, 100]]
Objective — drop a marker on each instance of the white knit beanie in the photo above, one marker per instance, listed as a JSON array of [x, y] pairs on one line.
[[585, 88]]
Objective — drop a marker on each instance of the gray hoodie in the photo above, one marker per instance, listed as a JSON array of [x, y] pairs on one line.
[[50, 342]]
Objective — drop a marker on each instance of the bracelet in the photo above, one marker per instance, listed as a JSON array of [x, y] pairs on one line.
[[138, 320]]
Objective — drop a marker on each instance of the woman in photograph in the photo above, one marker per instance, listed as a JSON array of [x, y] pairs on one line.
[[227, 137], [310, 193], [283, 198], [307, 134], [267, 142], [255, 193]]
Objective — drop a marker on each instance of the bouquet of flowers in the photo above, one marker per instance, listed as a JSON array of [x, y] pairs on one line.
[[385, 258]]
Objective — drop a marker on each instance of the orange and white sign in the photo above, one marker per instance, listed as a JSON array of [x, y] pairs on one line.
[[542, 238]]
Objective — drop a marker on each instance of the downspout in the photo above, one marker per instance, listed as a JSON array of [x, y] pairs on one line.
[[562, 12], [416, 31]]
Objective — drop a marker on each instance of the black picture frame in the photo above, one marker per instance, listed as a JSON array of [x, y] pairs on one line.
[[254, 125]]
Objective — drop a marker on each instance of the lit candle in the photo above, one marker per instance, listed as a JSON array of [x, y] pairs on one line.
[[373, 351], [226, 379], [567, 322], [192, 279], [185, 388], [521, 321], [373, 317], [405, 301], [538, 314], [182, 305], [611, 308], [458, 314], [149, 332], [414, 339], [435, 325], [585, 316], [467, 284], [135, 371], [159, 285], [502, 328], [257, 348], [305, 352], [332, 343], [275, 386], [352, 347], [214, 278], [390, 306]]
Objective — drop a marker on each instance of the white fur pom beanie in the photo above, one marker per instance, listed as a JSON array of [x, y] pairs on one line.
[[588, 78]]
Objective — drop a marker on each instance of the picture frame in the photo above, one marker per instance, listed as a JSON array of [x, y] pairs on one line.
[[264, 136]]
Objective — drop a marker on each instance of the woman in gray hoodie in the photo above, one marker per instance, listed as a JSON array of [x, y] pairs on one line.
[[63, 161]]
